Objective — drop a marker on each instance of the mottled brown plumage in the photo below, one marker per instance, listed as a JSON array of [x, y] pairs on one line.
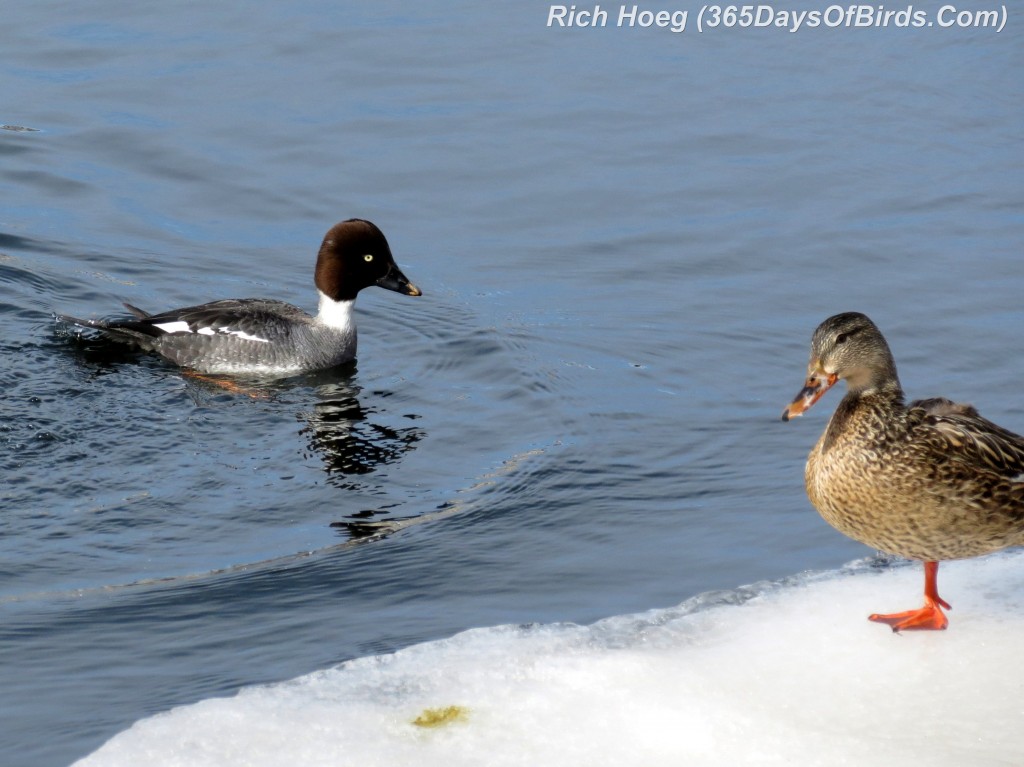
[[932, 480]]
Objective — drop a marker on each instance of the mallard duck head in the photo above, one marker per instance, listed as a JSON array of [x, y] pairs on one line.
[[847, 347]]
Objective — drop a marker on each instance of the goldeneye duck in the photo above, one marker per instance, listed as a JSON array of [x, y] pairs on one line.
[[267, 337]]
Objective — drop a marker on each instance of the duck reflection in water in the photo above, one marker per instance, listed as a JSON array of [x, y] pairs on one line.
[[353, 440]]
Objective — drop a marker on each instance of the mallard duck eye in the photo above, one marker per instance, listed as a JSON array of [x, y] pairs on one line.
[[841, 338], [368, 257]]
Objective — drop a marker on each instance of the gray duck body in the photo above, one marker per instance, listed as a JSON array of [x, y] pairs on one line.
[[262, 336], [247, 335]]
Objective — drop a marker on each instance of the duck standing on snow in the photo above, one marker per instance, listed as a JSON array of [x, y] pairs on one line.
[[266, 337], [931, 480]]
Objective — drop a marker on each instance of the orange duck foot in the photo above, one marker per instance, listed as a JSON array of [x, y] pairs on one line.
[[227, 384], [927, 618]]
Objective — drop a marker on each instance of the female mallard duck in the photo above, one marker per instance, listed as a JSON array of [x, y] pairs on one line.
[[931, 480]]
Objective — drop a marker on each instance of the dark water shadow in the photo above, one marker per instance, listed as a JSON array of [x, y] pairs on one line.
[[353, 439]]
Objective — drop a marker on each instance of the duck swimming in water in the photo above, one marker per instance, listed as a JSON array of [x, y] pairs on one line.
[[261, 336]]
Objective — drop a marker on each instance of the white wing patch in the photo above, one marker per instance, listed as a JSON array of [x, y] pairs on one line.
[[243, 335], [180, 326]]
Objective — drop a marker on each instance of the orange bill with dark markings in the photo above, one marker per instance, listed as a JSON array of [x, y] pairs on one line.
[[817, 383]]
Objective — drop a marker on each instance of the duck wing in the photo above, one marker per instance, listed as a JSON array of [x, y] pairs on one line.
[[251, 319], [245, 318], [957, 432]]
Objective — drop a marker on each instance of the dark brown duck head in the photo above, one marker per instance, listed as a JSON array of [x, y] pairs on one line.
[[846, 347], [355, 255]]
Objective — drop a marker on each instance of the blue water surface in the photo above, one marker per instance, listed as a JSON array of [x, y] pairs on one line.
[[624, 237]]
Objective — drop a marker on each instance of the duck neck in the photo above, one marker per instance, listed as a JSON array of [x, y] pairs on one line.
[[878, 404], [888, 396], [888, 389], [877, 377], [336, 314]]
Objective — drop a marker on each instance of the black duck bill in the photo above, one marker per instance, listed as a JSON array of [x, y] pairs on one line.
[[398, 282]]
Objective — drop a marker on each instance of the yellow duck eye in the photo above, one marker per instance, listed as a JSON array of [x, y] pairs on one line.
[[368, 257]]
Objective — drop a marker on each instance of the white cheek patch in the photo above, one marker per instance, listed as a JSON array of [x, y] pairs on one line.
[[178, 326]]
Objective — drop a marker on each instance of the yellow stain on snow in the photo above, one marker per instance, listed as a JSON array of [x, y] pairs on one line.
[[441, 717]]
